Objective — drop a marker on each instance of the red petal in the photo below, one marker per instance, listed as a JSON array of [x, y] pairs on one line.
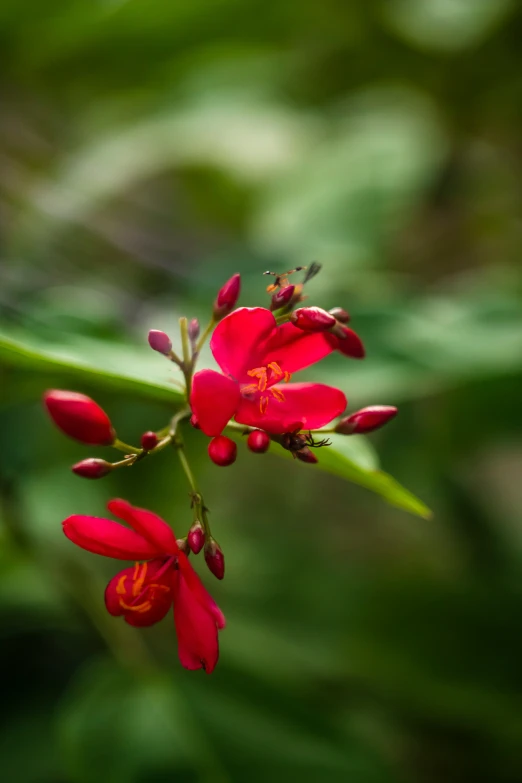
[[149, 525], [313, 404], [214, 399], [201, 593], [79, 417], [196, 625], [156, 591], [236, 340], [108, 538], [293, 349]]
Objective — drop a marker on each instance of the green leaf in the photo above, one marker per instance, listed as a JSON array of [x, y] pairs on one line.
[[117, 366], [348, 458]]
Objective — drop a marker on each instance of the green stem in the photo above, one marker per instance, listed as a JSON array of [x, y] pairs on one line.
[[282, 319], [121, 446], [202, 340], [197, 498], [187, 365]]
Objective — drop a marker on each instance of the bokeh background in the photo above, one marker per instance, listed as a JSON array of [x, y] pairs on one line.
[[149, 150]]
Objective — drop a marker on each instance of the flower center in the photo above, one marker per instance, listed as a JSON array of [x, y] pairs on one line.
[[138, 591], [266, 376]]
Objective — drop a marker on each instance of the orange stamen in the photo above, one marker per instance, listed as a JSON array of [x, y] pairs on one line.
[[277, 394], [120, 587], [287, 376], [137, 586], [263, 404]]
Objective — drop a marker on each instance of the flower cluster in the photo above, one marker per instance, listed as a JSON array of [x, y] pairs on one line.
[[258, 351]]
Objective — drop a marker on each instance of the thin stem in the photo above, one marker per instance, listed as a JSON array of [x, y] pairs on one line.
[[200, 509], [121, 446], [282, 319], [202, 340], [187, 365], [173, 356]]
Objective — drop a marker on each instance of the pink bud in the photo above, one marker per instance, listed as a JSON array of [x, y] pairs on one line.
[[282, 297], [312, 319], [194, 421], [92, 468], [340, 314], [79, 417], [215, 559], [149, 441], [160, 342], [182, 545], [222, 450], [227, 297], [349, 343], [193, 329], [306, 455], [196, 537], [258, 441], [366, 420]]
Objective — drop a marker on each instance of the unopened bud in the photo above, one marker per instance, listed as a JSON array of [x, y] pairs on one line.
[[366, 420], [194, 421], [340, 314], [312, 319], [282, 297], [258, 441], [215, 559], [227, 297], [160, 342], [193, 329], [92, 468], [149, 441], [222, 451], [306, 455], [182, 545], [196, 537], [79, 417], [348, 342]]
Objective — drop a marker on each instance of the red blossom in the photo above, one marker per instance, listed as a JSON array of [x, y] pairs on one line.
[[258, 441], [92, 468], [227, 297], [79, 417], [257, 358], [144, 593], [366, 420], [222, 451], [312, 319]]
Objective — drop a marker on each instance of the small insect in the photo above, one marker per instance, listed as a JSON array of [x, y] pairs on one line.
[[295, 441], [317, 444], [281, 280]]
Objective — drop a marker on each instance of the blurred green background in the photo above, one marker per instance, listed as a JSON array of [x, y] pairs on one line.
[[148, 151]]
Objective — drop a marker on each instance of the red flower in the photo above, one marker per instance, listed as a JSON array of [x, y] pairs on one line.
[[257, 358], [144, 593]]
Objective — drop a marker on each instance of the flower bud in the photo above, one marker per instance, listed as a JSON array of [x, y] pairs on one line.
[[92, 468], [349, 343], [215, 559], [306, 455], [312, 319], [222, 451], [196, 537], [79, 417], [366, 420], [227, 297], [183, 546], [149, 441], [282, 297], [193, 329], [258, 441], [340, 314], [160, 342], [194, 422]]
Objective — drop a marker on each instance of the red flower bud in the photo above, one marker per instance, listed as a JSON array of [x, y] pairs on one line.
[[222, 450], [215, 559], [92, 468], [194, 421], [182, 545], [149, 440], [79, 417], [160, 342], [349, 343], [282, 297], [193, 329], [196, 537], [306, 455], [312, 319], [227, 297], [366, 420], [258, 441], [340, 314]]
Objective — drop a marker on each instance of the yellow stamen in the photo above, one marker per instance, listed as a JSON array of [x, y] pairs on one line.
[[276, 369], [137, 587], [143, 607], [263, 404], [277, 394], [287, 376], [120, 587]]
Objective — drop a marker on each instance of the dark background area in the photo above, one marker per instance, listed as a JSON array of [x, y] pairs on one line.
[[148, 151]]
